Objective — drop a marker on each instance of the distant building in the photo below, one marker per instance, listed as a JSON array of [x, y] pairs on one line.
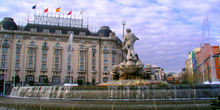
[[156, 72], [39, 51], [208, 63]]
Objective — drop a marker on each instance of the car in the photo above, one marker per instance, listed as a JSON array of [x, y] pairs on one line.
[[68, 84]]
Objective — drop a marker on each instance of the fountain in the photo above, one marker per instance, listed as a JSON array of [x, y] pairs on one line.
[[130, 71], [130, 84]]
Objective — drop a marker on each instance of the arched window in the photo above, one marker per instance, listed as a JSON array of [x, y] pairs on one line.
[[42, 77], [68, 79], [105, 79], [19, 43], [105, 48], [44, 45], [57, 45], [56, 79], [5, 42], [29, 78], [32, 43], [80, 80]]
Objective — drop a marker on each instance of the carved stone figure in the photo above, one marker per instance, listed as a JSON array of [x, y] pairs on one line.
[[128, 44]]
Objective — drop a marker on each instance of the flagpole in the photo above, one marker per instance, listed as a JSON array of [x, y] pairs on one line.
[[70, 17], [82, 18]]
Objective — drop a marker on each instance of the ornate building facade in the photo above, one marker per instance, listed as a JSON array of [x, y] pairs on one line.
[[40, 51]]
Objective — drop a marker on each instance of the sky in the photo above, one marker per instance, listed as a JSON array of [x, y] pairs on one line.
[[167, 29]]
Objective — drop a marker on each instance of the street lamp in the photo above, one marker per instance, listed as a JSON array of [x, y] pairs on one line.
[[123, 23]]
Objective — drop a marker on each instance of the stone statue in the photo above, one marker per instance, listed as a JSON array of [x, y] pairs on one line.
[[128, 44]]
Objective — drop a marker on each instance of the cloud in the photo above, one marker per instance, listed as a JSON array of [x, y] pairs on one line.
[[167, 29]]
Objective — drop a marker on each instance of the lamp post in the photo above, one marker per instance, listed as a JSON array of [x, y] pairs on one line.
[[123, 23]]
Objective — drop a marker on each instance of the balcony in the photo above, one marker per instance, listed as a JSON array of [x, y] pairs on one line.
[[44, 47], [94, 71], [56, 70], [81, 71], [5, 45], [32, 46], [17, 69], [106, 72], [105, 51], [3, 68], [57, 47], [43, 69], [69, 70], [30, 69], [93, 50], [114, 52]]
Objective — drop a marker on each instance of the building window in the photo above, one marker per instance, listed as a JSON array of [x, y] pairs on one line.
[[105, 55], [113, 62], [29, 78], [57, 45], [46, 31], [93, 41], [93, 54], [82, 33], [68, 67], [56, 66], [33, 38], [30, 58], [81, 60], [3, 64], [81, 46], [4, 57], [41, 78], [56, 59], [4, 50], [81, 67], [105, 48], [58, 31], [44, 45], [68, 79], [30, 65], [19, 36], [93, 68], [105, 62], [93, 48], [33, 29], [17, 65], [105, 79], [57, 52], [19, 43], [5, 42], [45, 38], [44, 59], [70, 32], [58, 39], [68, 60], [113, 56], [43, 66], [17, 57], [56, 79], [82, 41], [81, 54], [44, 52], [31, 50], [18, 50], [105, 68], [93, 61]]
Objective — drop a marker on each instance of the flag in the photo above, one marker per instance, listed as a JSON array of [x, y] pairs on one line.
[[46, 10], [58, 9], [34, 7], [81, 12], [70, 13]]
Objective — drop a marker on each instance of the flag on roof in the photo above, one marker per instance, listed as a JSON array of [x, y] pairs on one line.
[[70, 13], [58, 9], [34, 7], [46, 10], [81, 12]]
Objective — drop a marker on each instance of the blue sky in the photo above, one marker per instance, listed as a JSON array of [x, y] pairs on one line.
[[167, 29]]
